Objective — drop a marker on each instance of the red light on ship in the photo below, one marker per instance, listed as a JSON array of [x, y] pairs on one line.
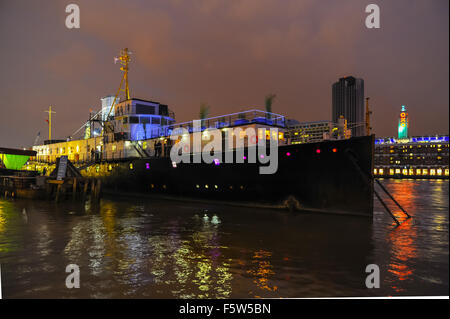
[[318, 151]]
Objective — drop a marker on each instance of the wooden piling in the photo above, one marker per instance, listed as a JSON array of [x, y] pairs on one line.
[[86, 184], [58, 191], [98, 189], [92, 187], [74, 189]]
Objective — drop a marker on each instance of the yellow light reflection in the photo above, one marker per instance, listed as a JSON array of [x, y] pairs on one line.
[[262, 270], [191, 268], [2, 220], [403, 239]]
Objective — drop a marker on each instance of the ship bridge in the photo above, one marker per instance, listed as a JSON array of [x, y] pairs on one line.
[[137, 119]]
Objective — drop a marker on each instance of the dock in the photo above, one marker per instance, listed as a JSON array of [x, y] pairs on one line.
[[63, 183]]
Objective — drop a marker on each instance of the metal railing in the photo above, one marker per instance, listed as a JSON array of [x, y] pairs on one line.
[[229, 120]]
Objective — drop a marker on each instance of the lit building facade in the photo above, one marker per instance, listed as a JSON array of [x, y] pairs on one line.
[[348, 101], [309, 132], [312, 132], [414, 157]]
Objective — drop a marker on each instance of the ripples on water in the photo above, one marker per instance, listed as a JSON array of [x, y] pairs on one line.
[[161, 249]]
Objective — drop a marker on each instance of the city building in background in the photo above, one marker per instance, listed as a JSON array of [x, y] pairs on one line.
[[403, 124], [414, 157], [311, 132], [348, 101]]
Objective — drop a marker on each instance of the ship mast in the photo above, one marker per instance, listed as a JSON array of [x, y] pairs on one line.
[[124, 59], [49, 122]]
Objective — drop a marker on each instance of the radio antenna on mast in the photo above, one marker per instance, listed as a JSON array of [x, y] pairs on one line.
[[124, 59], [49, 121]]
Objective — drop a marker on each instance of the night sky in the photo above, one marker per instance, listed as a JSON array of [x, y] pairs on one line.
[[229, 54]]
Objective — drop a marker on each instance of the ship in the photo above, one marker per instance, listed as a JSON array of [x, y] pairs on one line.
[[132, 143]]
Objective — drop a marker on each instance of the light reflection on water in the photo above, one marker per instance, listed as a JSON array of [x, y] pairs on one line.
[[160, 249], [417, 262]]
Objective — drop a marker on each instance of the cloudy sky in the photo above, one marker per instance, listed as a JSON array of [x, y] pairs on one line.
[[227, 53]]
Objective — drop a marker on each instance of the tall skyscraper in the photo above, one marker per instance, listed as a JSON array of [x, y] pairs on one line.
[[403, 124], [348, 101]]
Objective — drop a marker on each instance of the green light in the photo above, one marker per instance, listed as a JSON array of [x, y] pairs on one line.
[[14, 161], [403, 124]]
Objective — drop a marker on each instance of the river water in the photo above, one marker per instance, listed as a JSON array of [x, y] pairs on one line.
[[141, 248]]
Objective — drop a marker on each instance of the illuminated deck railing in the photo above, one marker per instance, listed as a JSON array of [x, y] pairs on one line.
[[229, 120]]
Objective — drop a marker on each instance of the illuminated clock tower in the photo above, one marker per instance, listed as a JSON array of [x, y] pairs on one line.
[[403, 124]]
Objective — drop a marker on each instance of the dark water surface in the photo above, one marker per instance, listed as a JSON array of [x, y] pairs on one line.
[[167, 249]]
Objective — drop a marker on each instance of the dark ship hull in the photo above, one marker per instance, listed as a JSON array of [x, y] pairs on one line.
[[330, 176]]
